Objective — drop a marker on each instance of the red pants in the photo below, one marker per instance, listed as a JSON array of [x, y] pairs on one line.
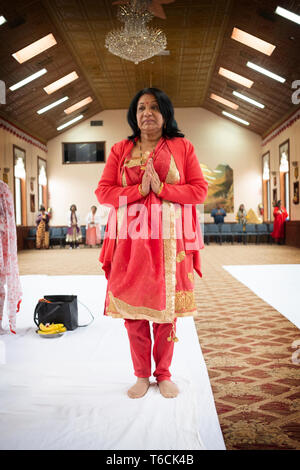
[[140, 347]]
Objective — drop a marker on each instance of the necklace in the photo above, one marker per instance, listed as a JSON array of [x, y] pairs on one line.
[[144, 157]]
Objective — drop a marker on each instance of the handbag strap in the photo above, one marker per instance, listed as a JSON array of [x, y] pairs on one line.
[[87, 324], [40, 304], [38, 308]]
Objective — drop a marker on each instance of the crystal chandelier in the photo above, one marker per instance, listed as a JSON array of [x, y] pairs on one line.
[[135, 41]]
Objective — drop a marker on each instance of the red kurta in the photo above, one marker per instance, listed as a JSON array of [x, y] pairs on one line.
[[280, 216], [150, 274]]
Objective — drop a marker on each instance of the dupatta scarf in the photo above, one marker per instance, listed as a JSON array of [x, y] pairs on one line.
[[146, 255], [9, 270]]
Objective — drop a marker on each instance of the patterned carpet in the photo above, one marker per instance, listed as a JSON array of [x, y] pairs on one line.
[[247, 346], [246, 343]]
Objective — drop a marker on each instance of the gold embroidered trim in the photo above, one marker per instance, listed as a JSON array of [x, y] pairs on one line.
[[185, 301], [169, 241], [121, 213], [156, 320], [136, 161], [160, 188], [119, 309], [173, 175], [180, 256], [124, 182], [190, 276], [184, 306]]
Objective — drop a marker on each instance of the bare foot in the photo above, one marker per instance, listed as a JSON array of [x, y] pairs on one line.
[[140, 388], [168, 389]]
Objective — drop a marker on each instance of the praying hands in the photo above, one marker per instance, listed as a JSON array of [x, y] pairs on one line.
[[150, 179]]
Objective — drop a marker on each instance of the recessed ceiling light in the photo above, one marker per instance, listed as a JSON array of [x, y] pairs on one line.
[[288, 15], [2, 20], [265, 72], [60, 83], [78, 105], [28, 79], [252, 41], [224, 101], [235, 118], [164, 52], [52, 105], [246, 98], [235, 77], [70, 122], [35, 48]]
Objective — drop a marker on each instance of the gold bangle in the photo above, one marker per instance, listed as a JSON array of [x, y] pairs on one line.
[[141, 191], [160, 188]]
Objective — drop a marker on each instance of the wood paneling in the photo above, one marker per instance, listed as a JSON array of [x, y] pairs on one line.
[[292, 233], [199, 40]]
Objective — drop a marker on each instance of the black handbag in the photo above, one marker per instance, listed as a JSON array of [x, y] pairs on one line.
[[59, 309]]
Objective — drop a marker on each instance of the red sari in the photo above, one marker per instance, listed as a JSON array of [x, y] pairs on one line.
[[280, 216], [152, 243]]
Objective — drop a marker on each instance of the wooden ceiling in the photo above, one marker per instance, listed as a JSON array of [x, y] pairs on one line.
[[199, 40]]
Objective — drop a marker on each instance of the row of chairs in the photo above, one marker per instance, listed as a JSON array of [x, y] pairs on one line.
[[220, 233], [57, 235], [238, 232]]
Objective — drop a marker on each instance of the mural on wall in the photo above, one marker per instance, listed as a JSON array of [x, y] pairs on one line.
[[220, 187]]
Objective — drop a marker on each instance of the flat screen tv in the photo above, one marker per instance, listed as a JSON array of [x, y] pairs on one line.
[[83, 152]]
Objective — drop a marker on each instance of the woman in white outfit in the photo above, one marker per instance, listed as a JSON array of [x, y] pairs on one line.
[[74, 235]]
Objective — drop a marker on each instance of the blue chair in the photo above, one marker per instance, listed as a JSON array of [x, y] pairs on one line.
[[56, 236], [83, 233], [211, 230], [238, 231], [30, 236], [31, 233], [262, 231], [226, 232], [64, 231], [270, 230], [250, 230]]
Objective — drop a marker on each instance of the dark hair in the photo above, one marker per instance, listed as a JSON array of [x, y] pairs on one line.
[[278, 203], [170, 128], [42, 208], [73, 205]]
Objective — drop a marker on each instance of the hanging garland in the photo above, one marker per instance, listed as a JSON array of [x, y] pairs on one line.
[[282, 128], [7, 126]]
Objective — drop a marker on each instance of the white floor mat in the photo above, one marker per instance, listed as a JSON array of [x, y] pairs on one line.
[[70, 392], [276, 284]]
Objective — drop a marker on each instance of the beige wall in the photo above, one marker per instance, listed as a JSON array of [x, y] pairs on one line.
[[76, 183], [293, 134], [7, 140], [216, 140]]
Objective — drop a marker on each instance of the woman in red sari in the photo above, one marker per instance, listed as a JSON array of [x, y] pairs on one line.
[[280, 215], [153, 181]]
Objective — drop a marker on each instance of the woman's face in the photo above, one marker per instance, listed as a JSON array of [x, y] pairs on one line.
[[148, 115]]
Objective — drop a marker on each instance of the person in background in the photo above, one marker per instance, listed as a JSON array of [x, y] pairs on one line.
[[280, 216], [104, 213], [241, 215], [74, 235], [42, 229], [218, 214], [9, 273], [93, 236]]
